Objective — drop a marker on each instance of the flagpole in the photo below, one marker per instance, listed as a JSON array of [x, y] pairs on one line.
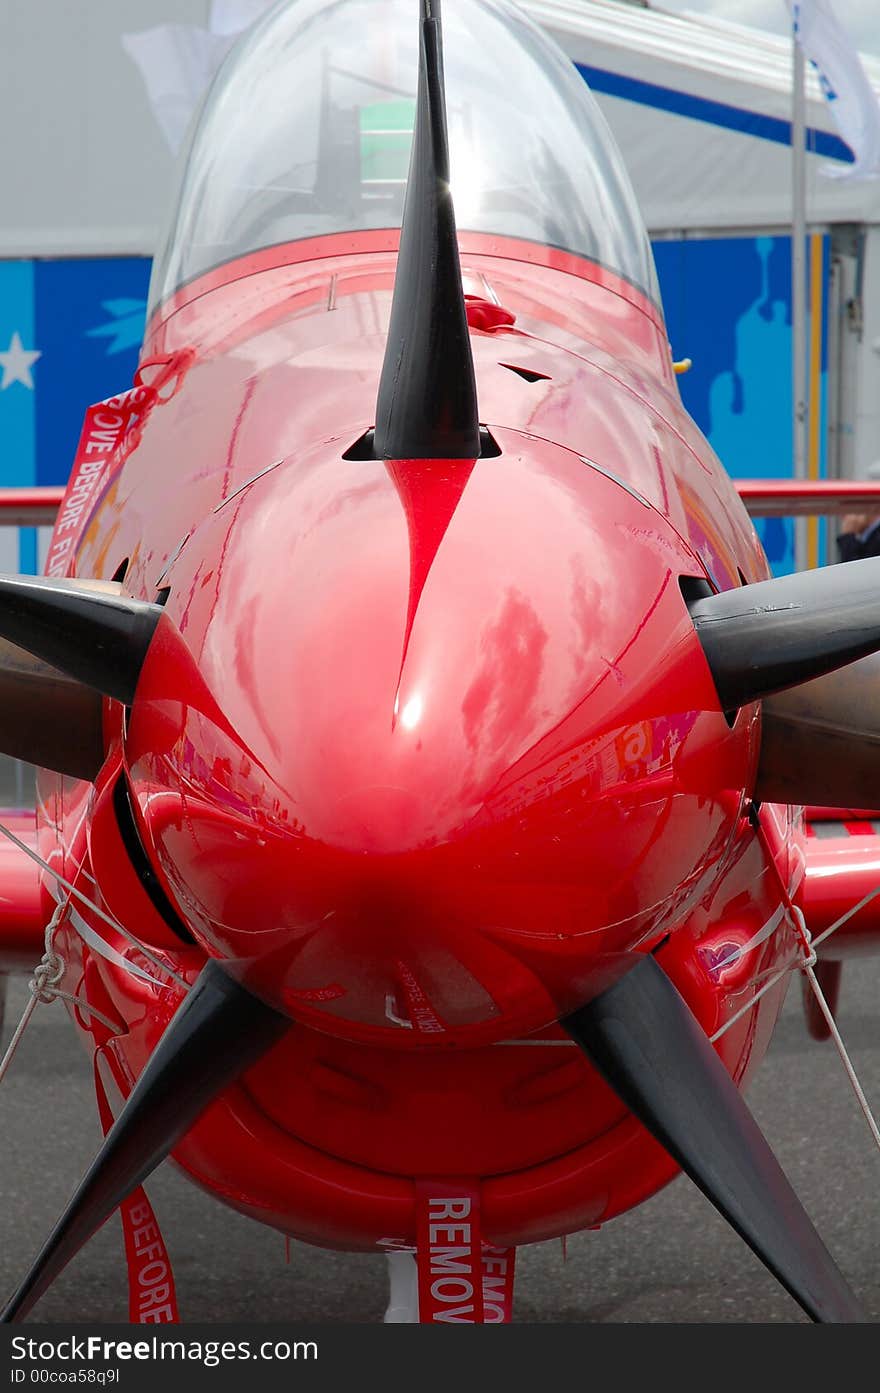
[[799, 285]]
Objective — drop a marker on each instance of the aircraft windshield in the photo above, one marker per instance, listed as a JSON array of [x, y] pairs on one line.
[[306, 131]]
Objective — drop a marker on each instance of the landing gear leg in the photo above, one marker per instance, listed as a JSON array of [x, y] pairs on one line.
[[403, 1298], [828, 973]]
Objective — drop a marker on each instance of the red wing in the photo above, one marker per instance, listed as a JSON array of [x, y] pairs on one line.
[[22, 920], [22, 917], [785, 498], [30, 507], [843, 867]]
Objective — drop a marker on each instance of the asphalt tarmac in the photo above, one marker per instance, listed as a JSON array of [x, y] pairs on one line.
[[672, 1260]]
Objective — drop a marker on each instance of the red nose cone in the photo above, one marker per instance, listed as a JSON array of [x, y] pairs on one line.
[[434, 740]]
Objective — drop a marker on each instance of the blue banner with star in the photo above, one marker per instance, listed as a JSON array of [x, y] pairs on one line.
[[19, 359], [89, 323], [70, 334]]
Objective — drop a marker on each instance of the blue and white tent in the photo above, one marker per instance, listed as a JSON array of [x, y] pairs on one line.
[[701, 109]]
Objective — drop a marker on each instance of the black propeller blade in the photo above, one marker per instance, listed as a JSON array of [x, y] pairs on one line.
[[217, 1032], [645, 1041], [820, 741], [774, 634], [88, 630], [427, 403], [48, 718]]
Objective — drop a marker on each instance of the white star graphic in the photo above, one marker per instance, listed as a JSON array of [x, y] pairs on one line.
[[17, 362]]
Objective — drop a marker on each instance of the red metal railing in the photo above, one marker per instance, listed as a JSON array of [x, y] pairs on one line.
[[30, 507], [782, 498]]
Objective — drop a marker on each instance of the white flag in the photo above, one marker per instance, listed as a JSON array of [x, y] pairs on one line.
[[234, 16], [178, 61], [845, 86]]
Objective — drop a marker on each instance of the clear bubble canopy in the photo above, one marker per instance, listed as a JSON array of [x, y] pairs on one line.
[[307, 127]]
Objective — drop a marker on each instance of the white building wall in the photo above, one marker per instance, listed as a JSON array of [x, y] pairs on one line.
[[84, 169], [866, 421]]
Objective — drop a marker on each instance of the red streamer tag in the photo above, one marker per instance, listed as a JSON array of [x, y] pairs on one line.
[[449, 1252], [110, 431], [498, 1274], [152, 1299]]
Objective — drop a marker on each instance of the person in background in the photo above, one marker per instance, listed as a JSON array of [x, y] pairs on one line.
[[860, 532]]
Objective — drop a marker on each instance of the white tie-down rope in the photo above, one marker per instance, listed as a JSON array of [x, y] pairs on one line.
[[753, 1001], [841, 1050], [95, 909], [796, 961], [838, 923], [806, 963], [45, 986]]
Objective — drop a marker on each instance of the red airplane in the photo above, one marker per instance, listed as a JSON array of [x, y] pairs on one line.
[[412, 695]]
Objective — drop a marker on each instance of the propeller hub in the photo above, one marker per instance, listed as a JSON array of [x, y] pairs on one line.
[[421, 760]]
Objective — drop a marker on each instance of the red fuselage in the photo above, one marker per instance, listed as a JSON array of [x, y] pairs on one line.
[[425, 749]]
